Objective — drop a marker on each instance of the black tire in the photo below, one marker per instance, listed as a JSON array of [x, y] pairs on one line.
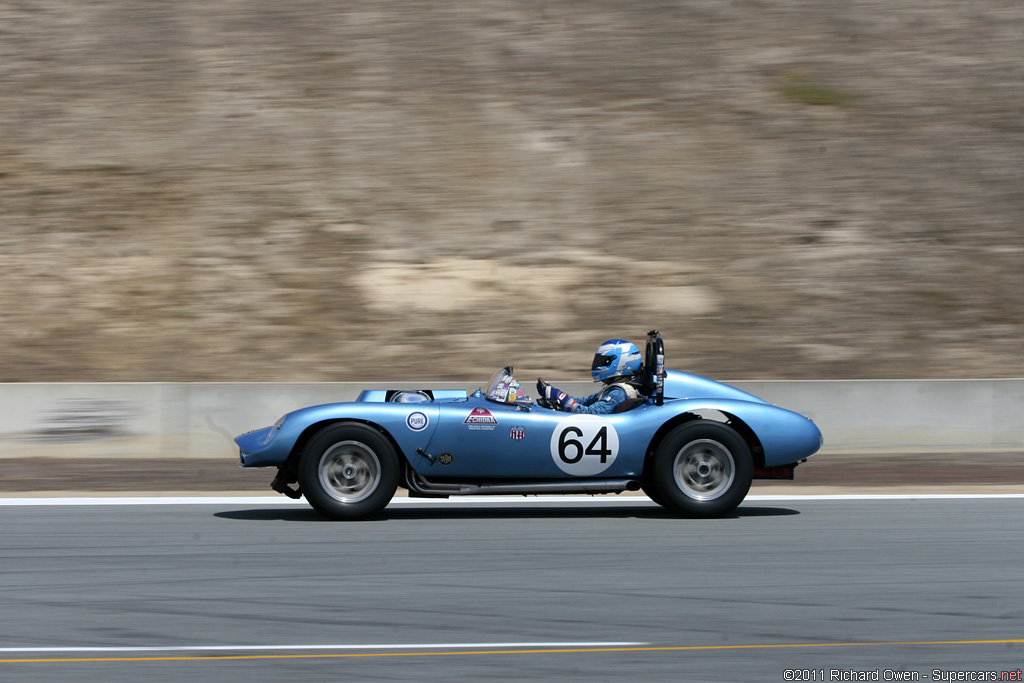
[[348, 471], [650, 487], [703, 469]]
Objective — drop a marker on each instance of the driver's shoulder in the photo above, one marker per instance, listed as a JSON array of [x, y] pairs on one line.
[[620, 390], [611, 394]]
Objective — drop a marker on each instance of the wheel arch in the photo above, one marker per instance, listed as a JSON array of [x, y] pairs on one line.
[[291, 463], [728, 419]]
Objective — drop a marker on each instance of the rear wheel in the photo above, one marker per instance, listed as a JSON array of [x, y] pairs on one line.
[[348, 471], [703, 469]]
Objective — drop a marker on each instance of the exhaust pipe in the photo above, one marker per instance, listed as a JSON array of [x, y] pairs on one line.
[[421, 487]]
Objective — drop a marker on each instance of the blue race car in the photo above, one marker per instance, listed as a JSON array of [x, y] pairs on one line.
[[691, 444]]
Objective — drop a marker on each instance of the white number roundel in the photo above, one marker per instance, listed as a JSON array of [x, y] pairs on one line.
[[584, 445]]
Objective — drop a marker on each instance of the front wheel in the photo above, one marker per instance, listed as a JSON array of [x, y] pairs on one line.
[[703, 469], [348, 471]]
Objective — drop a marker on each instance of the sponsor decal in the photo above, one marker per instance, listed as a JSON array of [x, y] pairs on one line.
[[417, 421], [517, 433], [445, 458], [480, 416], [584, 445]]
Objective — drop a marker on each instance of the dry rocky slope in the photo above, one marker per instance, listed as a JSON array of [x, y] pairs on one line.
[[307, 190]]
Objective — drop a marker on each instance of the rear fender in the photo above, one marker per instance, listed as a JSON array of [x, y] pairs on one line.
[[776, 436]]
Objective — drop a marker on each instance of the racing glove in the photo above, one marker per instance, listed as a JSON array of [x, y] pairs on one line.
[[564, 401]]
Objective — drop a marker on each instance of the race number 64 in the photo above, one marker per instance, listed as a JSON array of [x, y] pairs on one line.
[[584, 447]]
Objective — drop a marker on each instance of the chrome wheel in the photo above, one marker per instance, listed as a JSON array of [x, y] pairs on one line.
[[704, 469], [349, 471]]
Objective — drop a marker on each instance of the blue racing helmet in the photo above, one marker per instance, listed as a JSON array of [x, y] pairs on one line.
[[616, 358]]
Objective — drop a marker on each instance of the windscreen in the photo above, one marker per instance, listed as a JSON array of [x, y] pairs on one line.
[[503, 387]]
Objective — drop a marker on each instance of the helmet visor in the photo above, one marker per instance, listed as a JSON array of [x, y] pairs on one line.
[[601, 361]]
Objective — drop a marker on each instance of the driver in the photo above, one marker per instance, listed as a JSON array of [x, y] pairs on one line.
[[617, 364]]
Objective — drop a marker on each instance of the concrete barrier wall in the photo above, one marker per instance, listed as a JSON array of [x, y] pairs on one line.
[[199, 420]]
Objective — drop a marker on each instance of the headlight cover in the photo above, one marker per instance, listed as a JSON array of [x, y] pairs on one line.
[[273, 431]]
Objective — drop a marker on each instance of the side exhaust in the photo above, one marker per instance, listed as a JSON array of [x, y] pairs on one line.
[[421, 487]]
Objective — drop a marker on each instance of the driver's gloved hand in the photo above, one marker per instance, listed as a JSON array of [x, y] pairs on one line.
[[563, 400], [547, 391]]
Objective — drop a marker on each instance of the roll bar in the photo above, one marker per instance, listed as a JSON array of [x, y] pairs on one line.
[[653, 380]]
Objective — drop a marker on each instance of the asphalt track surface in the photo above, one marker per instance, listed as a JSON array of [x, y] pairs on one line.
[[513, 589]]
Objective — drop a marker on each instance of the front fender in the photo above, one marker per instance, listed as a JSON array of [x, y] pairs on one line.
[[410, 425]]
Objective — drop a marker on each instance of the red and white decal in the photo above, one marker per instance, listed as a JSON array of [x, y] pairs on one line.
[[480, 416]]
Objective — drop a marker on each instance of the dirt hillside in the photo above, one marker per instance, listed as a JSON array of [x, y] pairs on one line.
[[309, 190]]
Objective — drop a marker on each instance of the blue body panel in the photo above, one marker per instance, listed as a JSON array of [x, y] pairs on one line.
[[687, 385], [471, 437], [392, 417]]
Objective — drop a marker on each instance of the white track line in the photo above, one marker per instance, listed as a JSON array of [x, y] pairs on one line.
[[153, 500], [880, 496], [457, 501], [339, 647]]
